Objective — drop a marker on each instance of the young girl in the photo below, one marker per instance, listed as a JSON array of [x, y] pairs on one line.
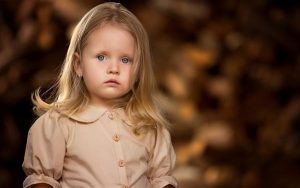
[[102, 129]]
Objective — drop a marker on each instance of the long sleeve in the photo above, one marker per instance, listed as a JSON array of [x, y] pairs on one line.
[[162, 161], [45, 150]]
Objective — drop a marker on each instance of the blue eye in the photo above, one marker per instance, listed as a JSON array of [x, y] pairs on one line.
[[125, 60], [101, 57]]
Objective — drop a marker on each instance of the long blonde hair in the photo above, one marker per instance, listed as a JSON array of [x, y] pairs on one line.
[[72, 96]]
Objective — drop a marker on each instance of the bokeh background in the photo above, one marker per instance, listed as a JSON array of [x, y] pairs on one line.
[[228, 75]]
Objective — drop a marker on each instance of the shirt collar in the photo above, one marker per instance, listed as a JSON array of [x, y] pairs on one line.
[[92, 113], [89, 115]]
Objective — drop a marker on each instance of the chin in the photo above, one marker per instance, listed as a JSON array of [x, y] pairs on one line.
[[113, 96]]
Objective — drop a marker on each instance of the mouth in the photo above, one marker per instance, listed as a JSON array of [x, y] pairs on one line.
[[112, 81]]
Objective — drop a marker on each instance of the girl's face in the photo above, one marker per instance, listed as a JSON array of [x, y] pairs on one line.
[[106, 63]]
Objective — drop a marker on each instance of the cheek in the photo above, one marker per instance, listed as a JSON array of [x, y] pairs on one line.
[[93, 76], [130, 76], [94, 69]]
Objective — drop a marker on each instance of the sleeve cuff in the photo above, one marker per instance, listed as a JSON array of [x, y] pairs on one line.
[[41, 178], [163, 181]]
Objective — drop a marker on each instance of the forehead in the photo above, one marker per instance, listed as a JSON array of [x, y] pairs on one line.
[[110, 32]]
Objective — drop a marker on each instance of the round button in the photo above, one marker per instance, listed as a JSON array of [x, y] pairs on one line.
[[111, 116], [121, 163], [116, 137]]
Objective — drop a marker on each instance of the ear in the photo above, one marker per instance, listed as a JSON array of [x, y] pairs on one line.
[[77, 64]]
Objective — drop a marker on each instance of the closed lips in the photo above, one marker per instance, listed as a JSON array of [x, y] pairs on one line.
[[112, 81]]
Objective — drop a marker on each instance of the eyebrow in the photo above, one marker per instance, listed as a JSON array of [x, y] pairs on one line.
[[126, 54]]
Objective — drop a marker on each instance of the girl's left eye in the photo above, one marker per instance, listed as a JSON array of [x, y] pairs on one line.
[[125, 60]]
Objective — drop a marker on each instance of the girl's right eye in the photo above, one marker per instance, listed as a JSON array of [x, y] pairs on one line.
[[101, 57]]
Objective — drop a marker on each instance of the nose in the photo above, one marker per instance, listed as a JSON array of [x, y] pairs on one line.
[[113, 67]]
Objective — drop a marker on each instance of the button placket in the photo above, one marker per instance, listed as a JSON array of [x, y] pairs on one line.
[[116, 137]]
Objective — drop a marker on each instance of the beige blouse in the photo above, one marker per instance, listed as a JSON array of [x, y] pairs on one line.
[[96, 149]]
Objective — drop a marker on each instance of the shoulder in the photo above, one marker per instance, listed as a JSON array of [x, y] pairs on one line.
[[163, 134], [49, 123], [50, 117], [158, 136]]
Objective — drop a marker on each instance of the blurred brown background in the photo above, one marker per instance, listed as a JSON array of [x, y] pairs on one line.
[[228, 74]]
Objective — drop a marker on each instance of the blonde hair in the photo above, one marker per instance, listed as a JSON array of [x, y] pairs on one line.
[[72, 96]]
